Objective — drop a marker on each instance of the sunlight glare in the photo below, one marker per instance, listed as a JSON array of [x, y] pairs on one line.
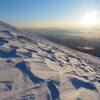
[[90, 19]]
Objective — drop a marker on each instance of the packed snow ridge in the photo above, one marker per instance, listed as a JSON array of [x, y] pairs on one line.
[[33, 68]]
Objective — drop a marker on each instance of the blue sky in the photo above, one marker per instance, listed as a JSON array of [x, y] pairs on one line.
[[45, 12]]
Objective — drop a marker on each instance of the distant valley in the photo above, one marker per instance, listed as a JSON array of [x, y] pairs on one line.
[[71, 39]]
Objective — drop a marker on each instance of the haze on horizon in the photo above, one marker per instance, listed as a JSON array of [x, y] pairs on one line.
[[51, 13]]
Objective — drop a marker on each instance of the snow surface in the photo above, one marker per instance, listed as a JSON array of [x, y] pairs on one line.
[[33, 68]]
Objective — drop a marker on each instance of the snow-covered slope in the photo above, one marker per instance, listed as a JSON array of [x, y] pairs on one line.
[[32, 68]]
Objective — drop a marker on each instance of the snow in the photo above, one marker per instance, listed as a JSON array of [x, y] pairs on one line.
[[32, 68]]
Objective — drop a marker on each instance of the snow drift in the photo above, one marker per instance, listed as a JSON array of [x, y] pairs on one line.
[[32, 68]]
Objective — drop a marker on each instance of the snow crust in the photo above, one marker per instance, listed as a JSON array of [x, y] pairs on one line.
[[32, 68]]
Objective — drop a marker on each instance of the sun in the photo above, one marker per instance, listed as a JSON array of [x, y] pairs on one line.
[[90, 19]]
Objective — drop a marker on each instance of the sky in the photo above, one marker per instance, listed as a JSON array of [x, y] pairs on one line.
[[48, 13]]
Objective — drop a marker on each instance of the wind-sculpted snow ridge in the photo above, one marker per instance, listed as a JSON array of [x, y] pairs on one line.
[[32, 68]]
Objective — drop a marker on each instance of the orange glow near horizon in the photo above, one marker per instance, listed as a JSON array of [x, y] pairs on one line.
[[45, 24], [88, 23]]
